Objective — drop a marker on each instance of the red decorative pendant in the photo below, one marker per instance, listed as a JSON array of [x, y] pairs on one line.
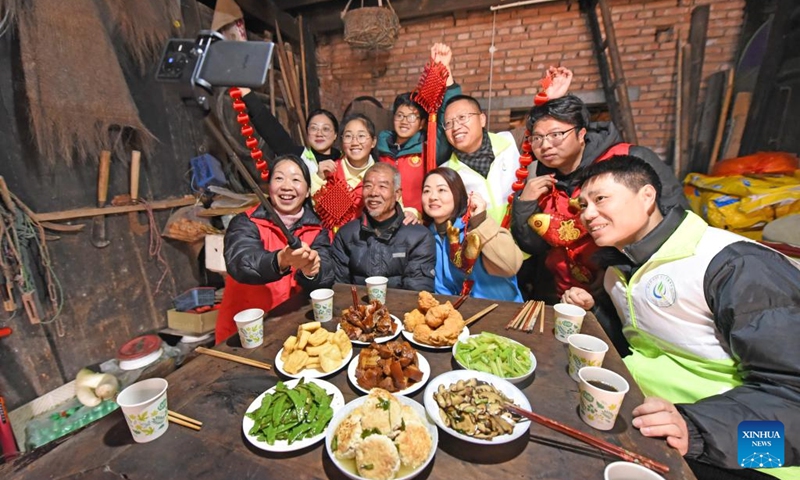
[[247, 132]]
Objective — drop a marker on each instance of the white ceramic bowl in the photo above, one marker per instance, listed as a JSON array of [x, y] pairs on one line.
[[344, 412], [628, 470], [141, 362], [518, 379], [410, 337], [507, 388]]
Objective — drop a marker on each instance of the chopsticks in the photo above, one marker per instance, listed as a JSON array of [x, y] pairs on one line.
[[234, 358], [183, 420], [603, 445], [526, 318], [460, 301], [480, 314], [355, 298]]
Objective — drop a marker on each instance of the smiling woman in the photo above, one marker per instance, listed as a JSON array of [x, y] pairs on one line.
[[262, 270]]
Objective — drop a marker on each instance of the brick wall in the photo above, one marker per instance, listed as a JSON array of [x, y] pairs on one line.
[[528, 39]]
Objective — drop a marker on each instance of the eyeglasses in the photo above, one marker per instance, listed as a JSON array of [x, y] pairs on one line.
[[555, 138], [360, 138], [411, 117], [462, 119], [325, 129]]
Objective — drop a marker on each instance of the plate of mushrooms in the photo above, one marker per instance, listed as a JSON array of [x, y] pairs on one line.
[[470, 405]]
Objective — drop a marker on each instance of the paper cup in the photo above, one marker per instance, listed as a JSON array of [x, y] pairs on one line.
[[322, 302], [585, 351], [629, 471], [376, 288], [250, 323], [144, 405], [569, 319], [601, 393]]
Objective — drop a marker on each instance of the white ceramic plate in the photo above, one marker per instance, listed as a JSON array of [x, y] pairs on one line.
[[309, 372], [345, 411], [518, 379], [410, 337], [337, 403], [424, 367], [508, 389], [379, 339]]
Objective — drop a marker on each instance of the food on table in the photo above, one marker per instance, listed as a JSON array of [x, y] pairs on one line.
[[292, 414], [315, 347], [475, 408], [433, 323], [382, 435], [494, 354], [367, 322], [392, 366]]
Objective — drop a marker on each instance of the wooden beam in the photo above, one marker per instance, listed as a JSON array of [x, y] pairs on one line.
[[269, 13], [312, 79], [294, 4], [324, 20], [93, 212], [516, 102]]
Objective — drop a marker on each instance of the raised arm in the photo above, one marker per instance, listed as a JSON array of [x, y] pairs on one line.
[[246, 259], [268, 126]]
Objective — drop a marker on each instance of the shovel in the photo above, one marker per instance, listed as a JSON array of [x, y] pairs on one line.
[[99, 237]]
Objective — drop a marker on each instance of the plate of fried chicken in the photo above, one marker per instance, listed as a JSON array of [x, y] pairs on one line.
[[433, 324]]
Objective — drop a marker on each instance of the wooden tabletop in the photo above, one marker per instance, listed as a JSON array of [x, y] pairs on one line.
[[218, 392]]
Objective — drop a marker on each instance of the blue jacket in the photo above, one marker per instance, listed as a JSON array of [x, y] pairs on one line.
[[449, 278]]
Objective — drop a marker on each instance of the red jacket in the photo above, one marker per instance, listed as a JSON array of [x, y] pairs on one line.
[[570, 256], [241, 296], [412, 172]]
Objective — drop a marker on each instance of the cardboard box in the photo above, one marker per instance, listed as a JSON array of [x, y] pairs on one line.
[[197, 323]]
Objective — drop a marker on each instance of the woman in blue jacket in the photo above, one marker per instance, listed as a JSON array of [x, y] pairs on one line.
[[474, 254]]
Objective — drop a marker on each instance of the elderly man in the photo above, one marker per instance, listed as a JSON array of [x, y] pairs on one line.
[[379, 243], [712, 319]]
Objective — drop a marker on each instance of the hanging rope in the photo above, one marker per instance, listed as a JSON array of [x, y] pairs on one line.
[[154, 249]]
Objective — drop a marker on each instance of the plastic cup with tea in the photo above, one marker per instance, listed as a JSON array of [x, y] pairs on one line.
[[585, 351], [569, 319], [601, 392], [250, 324]]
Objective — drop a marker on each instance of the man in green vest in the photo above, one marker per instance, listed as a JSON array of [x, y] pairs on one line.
[[712, 320]]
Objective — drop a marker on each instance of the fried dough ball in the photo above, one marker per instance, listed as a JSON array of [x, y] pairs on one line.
[[438, 314], [414, 444], [425, 301], [377, 458], [412, 319], [348, 436]]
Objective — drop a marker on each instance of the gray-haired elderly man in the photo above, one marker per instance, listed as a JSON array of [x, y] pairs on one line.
[[378, 243]]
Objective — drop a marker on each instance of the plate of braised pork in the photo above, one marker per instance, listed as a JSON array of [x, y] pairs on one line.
[[369, 323], [393, 366]]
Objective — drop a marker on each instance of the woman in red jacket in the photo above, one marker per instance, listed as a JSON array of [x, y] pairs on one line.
[[262, 271]]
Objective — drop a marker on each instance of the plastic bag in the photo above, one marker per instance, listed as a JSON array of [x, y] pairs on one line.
[[775, 163], [185, 225]]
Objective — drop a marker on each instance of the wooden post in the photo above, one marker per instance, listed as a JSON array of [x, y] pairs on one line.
[[723, 117], [303, 63]]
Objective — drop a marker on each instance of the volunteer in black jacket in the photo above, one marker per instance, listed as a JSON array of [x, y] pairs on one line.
[[378, 244]]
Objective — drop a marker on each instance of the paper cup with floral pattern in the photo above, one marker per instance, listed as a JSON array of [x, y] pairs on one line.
[[144, 405], [322, 303], [602, 392], [250, 324], [585, 351], [569, 319], [376, 288]]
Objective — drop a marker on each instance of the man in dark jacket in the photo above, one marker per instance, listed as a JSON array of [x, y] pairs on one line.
[[710, 316], [379, 244]]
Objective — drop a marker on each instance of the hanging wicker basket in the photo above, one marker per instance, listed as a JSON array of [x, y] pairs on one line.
[[371, 28]]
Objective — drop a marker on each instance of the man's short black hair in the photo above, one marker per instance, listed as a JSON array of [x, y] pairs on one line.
[[568, 109], [471, 100], [633, 172], [404, 100]]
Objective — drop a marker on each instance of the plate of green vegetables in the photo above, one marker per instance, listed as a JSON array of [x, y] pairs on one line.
[[291, 415], [495, 354]]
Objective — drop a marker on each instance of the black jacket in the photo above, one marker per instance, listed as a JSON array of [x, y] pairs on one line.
[[405, 254], [248, 262]]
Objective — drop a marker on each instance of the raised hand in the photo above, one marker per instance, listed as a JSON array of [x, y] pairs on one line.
[[536, 187], [326, 168], [442, 53], [477, 203], [657, 417], [561, 78]]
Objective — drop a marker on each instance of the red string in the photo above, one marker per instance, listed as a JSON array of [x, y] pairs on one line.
[[247, 131]]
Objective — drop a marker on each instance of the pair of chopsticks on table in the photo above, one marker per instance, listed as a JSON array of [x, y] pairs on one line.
[[525, 319], [234, 358], [183, 420], [601, 444]]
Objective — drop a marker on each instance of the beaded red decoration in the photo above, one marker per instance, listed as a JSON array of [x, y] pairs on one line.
[[247, 132], [430, 94]]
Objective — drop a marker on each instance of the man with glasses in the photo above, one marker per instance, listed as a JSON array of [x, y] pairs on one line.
[[403, 146], [545, 219], [486, 162]]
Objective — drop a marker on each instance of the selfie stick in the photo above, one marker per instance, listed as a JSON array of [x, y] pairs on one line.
[[293, 242]]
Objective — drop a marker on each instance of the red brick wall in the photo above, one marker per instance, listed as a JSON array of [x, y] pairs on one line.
[[527, 39]]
